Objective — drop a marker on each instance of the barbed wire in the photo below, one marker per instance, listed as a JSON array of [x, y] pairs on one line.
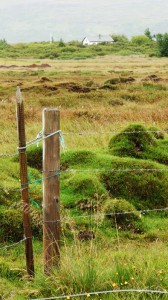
[[97, 215], [8, 155], [114, 132], [40, 137], [64, 219], [68, 297], [10, 190], [15, 244], [114, 170], [59, 172]]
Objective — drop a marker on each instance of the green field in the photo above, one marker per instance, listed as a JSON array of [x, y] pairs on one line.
[[114, 117]]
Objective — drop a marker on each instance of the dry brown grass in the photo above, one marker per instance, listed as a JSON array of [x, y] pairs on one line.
[[101, 110]]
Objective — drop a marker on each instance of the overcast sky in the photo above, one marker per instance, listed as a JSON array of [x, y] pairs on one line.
[[34, 20]]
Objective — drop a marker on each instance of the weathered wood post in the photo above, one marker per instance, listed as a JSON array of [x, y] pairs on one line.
[[24, 183], [51, 187]]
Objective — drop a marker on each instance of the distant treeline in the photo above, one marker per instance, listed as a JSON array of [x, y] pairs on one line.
[[147, 44]]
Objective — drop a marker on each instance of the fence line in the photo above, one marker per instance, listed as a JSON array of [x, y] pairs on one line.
[[93, 216], [40, 137], [114, 132], [113, 170], [8, 155], [96, 215], [59, 172], [32, 142], [15, 244], [68, 297]]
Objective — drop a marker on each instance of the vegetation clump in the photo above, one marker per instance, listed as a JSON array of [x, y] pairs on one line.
[[158, 134], [132, 141], [139, 181], [138, 142], [122, 214]]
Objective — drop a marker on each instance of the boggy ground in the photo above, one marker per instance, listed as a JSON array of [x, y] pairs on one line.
[[95, 95], [86, 101]]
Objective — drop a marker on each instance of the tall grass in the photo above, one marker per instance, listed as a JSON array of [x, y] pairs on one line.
[[90, 267]]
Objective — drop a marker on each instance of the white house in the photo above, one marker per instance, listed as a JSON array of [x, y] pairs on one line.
[[97, 40]]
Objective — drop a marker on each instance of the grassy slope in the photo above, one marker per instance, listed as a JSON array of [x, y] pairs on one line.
[[98, 110]]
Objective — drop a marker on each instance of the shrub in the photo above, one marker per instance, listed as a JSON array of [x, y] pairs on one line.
[[140, 40], [125, 215], [120, 38], [162, 44]]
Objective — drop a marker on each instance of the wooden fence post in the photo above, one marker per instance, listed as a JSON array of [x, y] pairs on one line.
[[24, 183], [51, 193]]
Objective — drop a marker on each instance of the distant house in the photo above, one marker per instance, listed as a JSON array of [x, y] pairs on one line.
[[97, 40]]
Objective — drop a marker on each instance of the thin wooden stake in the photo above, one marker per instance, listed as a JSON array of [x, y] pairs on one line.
[[24, 183], [51, 189]]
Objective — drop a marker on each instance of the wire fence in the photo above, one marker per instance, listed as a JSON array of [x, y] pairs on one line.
[[41, 136], [68, 297], [14, 244], [91, 216]]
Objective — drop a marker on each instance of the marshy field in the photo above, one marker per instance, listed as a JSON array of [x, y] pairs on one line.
[[114, 193]]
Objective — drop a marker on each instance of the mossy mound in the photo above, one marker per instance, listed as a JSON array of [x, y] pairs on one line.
[[159, 135], [122, 214], [81, 157], [136, 141], [81, 186], [119, 80], [12, 224], [10, 201], [132, 141], [108, 86], [141, 182]]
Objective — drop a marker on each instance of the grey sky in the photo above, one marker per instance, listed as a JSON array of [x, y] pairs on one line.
[[33, 20]]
